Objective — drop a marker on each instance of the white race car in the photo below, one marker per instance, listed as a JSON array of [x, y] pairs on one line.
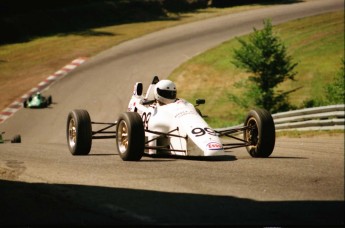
[[177, 128]]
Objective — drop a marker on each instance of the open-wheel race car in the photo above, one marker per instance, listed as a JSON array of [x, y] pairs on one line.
[[15, 139], [37, 100], [159, 123]]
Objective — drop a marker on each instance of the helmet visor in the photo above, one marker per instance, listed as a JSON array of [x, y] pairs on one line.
[[169, 94]]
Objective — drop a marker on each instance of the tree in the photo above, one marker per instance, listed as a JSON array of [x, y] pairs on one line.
[[265, 57]]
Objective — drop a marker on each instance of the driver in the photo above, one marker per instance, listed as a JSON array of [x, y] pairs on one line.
[[165, 92]]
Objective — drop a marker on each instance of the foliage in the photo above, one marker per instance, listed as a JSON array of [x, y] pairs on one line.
[[178, 6], [231, 3], [246, 100], [265, 58], [335, 91], [22, 21], [316, 43]]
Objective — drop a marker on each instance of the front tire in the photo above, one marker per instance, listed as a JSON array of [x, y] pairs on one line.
[[79, 132], [130, 136], [260, 134]]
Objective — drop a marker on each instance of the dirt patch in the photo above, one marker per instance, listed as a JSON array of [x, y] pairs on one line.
[[14, 170]]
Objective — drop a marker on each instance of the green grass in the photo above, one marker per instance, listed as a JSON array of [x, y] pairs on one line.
[[304, 134], [316, 43]]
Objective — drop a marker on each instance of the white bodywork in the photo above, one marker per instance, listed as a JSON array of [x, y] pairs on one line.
[[179, 126]]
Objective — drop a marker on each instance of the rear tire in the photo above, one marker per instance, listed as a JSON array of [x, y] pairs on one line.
[[130, 136], [79, 132], [44, 104], [261, 136], [16, 139], [50, 100]]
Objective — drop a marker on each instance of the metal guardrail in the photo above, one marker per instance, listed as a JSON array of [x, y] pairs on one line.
[[330, 117]]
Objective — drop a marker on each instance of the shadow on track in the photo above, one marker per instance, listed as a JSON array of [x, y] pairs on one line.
[[61, 204], [195, 158]]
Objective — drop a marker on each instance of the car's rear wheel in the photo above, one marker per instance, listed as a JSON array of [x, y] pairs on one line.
[[44, 104], [16, 139], [49, 100], [130, 136], [260, 133], [79, 132]]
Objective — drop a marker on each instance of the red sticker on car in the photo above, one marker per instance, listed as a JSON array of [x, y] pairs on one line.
[[214, 146]]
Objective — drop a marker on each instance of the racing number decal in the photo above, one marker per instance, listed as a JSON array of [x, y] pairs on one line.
[[146, 118], [202, 131]]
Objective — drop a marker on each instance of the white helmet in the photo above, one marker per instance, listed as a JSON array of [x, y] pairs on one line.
[[165, 91]]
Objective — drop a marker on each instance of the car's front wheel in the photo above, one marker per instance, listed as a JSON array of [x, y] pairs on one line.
[[260, 133], [130, 136], [79, 132]]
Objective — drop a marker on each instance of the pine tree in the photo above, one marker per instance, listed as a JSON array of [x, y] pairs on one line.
[[265, 57]]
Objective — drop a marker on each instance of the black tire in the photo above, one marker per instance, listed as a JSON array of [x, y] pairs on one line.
[[16, 139], [130, 136], [261, 136], [79, 132], [44, 104], [25, 105], [50, 100]]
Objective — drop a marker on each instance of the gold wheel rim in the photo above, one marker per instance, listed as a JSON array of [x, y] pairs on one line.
[[252, 135], [122, 135], [72, 133]]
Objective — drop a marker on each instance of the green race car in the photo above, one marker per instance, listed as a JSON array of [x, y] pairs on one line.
[[37, 101], [15, 139]]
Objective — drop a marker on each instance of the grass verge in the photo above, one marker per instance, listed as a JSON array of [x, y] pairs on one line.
[[304, 134], [316, 43]]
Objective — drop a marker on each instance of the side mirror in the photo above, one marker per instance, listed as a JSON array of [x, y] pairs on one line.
[[200, 101], [138, 89]]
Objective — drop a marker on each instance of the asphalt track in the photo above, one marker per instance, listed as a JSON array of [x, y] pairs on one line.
[[42, 183]]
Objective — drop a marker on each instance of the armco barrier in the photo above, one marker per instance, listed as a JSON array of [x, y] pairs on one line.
[[330, 117], [320, 118]]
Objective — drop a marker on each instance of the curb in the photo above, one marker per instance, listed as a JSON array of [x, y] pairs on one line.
[[18, 104]]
